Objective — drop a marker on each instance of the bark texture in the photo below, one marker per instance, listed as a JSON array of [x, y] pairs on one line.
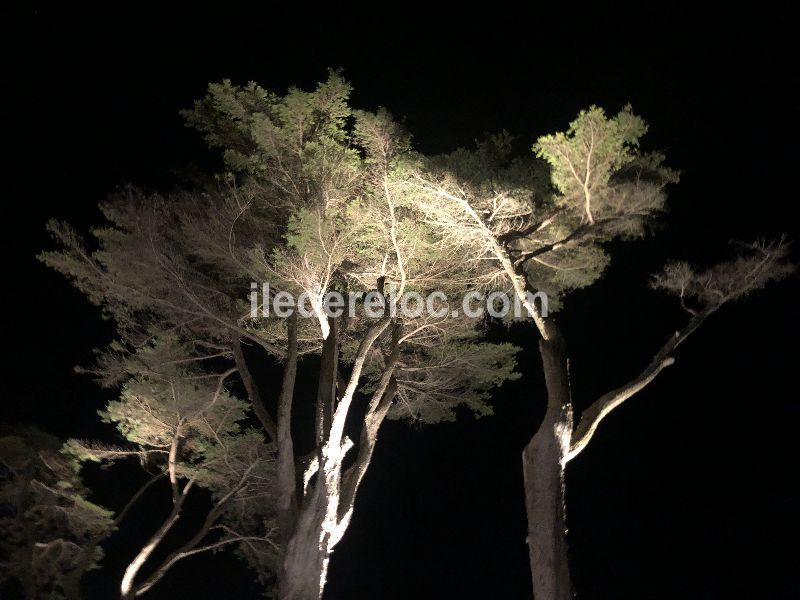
[[543, 462], [558, 441], [324, 511], [305, 558]]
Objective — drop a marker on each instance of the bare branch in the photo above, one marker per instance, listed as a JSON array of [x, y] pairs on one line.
[[598, 410]]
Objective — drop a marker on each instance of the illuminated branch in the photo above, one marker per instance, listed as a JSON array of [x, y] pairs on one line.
[[340, 416], [376, 411], [498, 251], [597, 411], [126, 587], [756, 265], [188, 548]]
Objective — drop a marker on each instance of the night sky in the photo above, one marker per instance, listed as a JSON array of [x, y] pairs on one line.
[[687, 491]]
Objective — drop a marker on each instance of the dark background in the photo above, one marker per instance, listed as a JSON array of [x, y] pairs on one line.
[[687, 491]]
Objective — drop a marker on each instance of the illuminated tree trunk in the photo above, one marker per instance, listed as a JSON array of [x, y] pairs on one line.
[[543, 463], [305, 561], [328, 501], [319, 527]]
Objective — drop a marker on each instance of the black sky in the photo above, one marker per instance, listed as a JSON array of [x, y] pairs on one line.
[[688, 491]]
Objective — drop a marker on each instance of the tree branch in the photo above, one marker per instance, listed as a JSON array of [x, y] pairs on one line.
[[87, 553], [287, 487], [187, 548], [340, 416], [171, 463], [518, 234], [328, 374], [597, 411], [253, 392], [376, 412]]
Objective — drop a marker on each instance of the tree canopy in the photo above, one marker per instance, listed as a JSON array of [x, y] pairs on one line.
[[317, 197]]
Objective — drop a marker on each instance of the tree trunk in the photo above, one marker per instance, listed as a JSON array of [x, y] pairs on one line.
[[543, 463], [325, 511], [72, 582], [305, 560], [316, 532]]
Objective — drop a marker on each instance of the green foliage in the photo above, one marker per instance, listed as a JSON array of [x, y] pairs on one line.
[[598, 170], [357, 218], [382, 139], [46, 518], [592, 149], [179, 418], [548, 218], [570, 269], [296, 144], [318, 197], [456, 373]]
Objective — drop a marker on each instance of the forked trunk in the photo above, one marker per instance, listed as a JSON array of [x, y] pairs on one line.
[[543, 463], [127, 587], [323, 515]]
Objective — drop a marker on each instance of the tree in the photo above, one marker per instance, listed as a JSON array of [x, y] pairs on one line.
[[48, 524], [182, 421], [317, 198], [602, 188]]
